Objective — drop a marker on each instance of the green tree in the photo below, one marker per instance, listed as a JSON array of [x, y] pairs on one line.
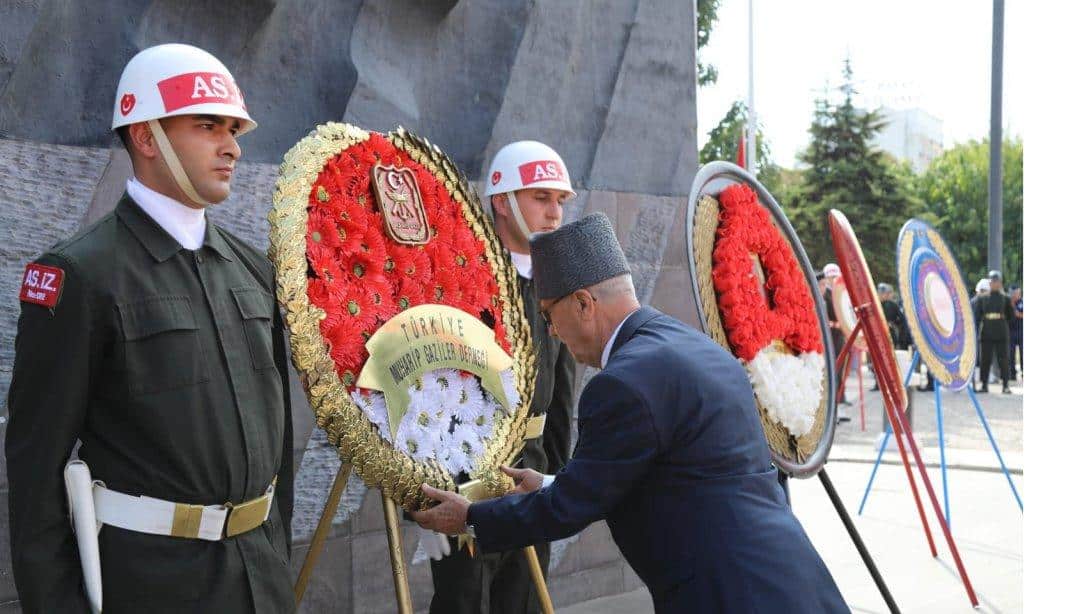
[[706, 16], [843, 171], [954, 188], [722, 144]]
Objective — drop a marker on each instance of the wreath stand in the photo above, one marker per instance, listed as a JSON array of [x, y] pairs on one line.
[[396, 550], [941, 443], [899, 426], [842, 365]]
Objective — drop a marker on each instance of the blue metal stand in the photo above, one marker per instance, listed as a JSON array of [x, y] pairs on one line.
[[941, 449], [941, 444], [885, 440], [986, 427]]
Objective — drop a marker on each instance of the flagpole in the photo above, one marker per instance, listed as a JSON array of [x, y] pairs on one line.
[[751, 144]]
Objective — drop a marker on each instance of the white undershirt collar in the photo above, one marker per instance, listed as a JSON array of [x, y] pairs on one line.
[[524, 264], [612, 340], [185, 224]]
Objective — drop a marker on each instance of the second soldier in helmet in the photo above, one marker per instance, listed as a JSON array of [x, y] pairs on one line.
[[527, 186]]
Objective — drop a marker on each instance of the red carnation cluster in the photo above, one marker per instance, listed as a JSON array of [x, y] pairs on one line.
[[745, 228], [362, 278]]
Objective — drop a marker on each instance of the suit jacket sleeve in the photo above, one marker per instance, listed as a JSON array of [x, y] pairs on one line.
[[617, 445], [285, 478], [47, 403]]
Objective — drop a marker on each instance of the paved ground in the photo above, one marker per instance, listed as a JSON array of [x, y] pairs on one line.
[[963, 430], [986, 522]]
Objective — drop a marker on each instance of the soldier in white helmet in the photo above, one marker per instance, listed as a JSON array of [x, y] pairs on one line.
[[527, 186], [152, 338], [839, 336]]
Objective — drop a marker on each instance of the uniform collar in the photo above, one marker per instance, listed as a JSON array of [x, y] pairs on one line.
[[185, 224], [157, 241], [523, 263]]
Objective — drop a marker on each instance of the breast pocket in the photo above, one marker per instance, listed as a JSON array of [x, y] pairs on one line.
[[255, 306], [162, 348]]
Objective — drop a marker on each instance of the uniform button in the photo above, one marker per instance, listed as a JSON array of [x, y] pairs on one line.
[[200, 259]]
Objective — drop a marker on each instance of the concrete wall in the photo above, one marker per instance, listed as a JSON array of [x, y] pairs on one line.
[[611, 85]]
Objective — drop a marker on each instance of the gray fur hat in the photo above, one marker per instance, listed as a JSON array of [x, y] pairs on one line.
[[574, 256]]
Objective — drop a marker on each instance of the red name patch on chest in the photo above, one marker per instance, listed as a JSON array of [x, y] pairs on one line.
[[42, 285]]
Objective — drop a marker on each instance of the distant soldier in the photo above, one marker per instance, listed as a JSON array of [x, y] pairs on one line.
[[898, 328], [1017, 345], [839, 337], [993, 312]]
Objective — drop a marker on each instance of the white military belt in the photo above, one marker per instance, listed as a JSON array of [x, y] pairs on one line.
[[159, 517]]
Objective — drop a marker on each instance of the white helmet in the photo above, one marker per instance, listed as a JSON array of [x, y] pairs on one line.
[[526, 164], [176, 79], [984, 286], [831, 270]]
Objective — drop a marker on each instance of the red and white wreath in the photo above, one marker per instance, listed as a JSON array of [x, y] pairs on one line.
[[771, 326]]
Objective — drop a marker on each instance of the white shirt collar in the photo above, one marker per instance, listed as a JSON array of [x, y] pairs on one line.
[[523, 263], [612, 340], [185, 224]]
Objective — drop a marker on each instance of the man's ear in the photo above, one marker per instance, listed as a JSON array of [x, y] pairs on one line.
[[142, 141], [500, 205], [586, 303]]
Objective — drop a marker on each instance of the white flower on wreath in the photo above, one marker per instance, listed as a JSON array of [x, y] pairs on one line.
[[415, 439], [449, 384], [788, 387], [462, 447], [373, 406]]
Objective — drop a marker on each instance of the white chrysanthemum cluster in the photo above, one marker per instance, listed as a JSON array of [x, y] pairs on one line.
[[449, 417], [789, 387]]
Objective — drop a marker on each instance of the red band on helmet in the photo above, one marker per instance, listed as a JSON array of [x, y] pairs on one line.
[[196, 88], [541, 170]]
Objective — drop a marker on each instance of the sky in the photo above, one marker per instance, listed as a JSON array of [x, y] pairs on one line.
[[929, 54]]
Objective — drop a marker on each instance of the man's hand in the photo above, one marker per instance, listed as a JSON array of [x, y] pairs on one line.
[[448, 516], [525, 480]]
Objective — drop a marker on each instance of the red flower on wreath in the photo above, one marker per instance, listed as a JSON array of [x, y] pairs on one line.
[[751, 322], [361, 278]]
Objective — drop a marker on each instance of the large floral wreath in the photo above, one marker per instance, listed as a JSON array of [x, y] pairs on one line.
[[361, 278], [773, 330]]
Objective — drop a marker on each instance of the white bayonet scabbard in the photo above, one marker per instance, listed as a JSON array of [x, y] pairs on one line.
[[81, 509]]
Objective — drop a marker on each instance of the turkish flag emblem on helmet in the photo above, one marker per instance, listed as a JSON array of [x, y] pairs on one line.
[[128, 103], [496, 176]]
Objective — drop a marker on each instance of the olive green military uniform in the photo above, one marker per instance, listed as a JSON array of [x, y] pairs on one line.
[[169, 366], [993, 313], [499, 583]]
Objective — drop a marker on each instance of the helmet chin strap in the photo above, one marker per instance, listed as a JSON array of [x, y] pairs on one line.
[[518, 219], [175, 166]]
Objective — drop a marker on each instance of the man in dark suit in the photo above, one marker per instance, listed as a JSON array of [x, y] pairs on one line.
[[670, 452]]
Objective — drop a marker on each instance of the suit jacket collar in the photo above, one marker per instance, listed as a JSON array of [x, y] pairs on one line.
[[157, 241], [634, 322]]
